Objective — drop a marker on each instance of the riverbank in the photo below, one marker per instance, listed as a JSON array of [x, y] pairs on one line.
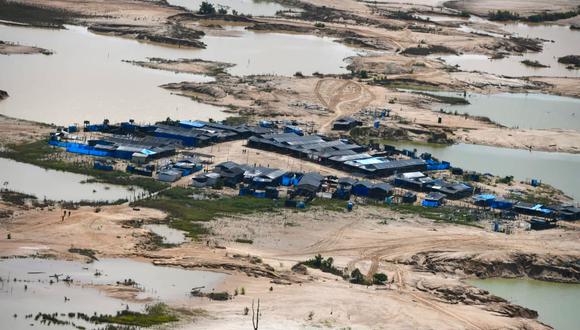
[[8, 48]]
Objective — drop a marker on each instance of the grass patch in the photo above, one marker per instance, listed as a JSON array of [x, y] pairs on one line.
[[443, 214], [244, 241], [15, 198], [534, 64], [41, 154], [329, 204], [154, 315], [188, 214]]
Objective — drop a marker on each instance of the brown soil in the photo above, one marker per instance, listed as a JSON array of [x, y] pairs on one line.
[[7, 48], [424, 261]]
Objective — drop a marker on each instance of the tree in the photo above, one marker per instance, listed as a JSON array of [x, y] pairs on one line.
[[357, 277], [206, 8], [380, 278], [222, 11]]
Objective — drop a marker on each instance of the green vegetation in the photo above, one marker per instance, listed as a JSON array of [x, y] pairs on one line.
[[220, 296], [15, 198], [571, 60], [380, 278], [187, 214], [506, 180], [334, 205], [534, 64], [325, 265], [503, 15], [154, 315], [356, 277], [547, 17], [236, 120], [35, 15], [41, 154], [402, 15], [444, 214], [428, 50], [244, 241], [206, 8], [506, 15]]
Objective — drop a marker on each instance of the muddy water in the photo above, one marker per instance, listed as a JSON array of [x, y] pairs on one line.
[[556, 303], [169, 235], [86, 80], [557, 169], [561, 41], [521, 110], [57, 185], [277, 53], [157, 283], [251, 7]]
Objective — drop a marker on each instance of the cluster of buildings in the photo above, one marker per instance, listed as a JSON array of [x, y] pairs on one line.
[[142, 144], [341, 154]]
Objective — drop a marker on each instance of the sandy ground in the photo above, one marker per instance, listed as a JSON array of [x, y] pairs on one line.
[[14, 49], [14, 131], [371, 239], [44, 231]]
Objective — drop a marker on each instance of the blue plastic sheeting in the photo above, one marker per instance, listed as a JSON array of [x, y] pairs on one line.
[[94, 128], [437, 166], [427, 203], [87, 150], [191, 124], [360, 190], [485, 197], [259, 194], [502, 204]]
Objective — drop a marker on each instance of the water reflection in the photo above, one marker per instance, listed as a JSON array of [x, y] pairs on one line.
[[57, 185], [251, 7], [557, 169], [556, 303]]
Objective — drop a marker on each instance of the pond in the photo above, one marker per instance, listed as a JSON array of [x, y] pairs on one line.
[[86, 79], [556, 169], [559, 41], [522, 110], [157, 283], [58, 186], [556, 303], [277, 53], [168, 235], [251, 7]]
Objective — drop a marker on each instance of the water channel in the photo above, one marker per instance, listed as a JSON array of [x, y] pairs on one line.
[[556, 303]]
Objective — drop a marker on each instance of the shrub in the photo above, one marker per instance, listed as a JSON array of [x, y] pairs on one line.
[[380, 278]]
